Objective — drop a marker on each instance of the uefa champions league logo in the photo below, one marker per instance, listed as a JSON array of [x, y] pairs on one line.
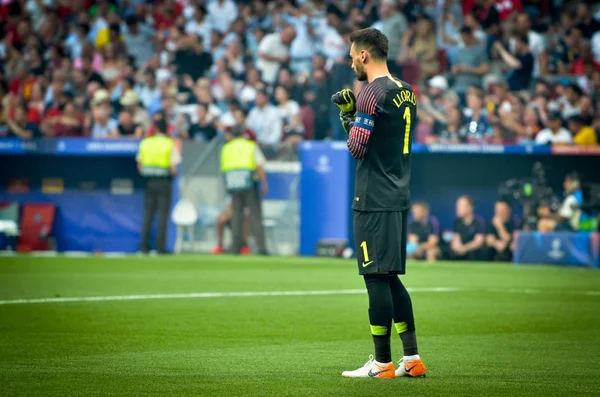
[[556, 253]]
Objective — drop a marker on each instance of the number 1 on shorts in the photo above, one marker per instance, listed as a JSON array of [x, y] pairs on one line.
[[363, 245]]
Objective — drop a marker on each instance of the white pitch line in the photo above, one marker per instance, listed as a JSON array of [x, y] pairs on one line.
[[197, 295]]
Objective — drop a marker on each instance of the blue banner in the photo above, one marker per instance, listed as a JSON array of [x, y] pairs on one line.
[[71, 147], [566, 248], [111, 147], [324, 180]]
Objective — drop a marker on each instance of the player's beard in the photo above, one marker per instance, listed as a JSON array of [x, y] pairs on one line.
[[359, 70]]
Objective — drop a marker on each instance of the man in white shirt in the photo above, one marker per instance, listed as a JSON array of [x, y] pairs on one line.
[[554, 133], [265, 121], [273, 51], [221, 13], [199, 25]]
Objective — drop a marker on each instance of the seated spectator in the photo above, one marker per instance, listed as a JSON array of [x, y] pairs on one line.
[[520, 122], [148, 90], [112, 66], [204, 128], [102, 125], [555, 133], [475, 113], [431, 109], [453, 131], [265, 120], [583, 135], [469, 230], [419, 45], [568, 101], [128, 128], [19, 126], [500, 230], [69, 123], [424, 233], [471, 63], [131, 103], [520, 63]]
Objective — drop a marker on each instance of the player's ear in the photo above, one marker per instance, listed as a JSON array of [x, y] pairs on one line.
[[364, 56]]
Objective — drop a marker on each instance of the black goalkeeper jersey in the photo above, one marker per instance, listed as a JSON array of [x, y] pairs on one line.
[[381, 140]]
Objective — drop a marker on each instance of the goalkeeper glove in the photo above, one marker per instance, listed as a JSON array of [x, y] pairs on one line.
[[347, 120], [345, 100]]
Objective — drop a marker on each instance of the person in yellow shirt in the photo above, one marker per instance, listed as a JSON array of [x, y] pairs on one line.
[[583, 134]]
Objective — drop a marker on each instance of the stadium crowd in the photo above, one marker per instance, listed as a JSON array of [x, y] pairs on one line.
[[485, 71]]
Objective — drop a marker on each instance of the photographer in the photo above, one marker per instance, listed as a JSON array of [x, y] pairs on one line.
[[570, 216]]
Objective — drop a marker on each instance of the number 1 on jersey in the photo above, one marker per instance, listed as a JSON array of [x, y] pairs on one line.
[[407, 118]]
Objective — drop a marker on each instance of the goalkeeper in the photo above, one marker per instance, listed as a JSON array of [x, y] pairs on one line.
[[380, 124]]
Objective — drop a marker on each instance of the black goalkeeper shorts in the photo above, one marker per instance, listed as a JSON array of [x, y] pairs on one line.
[[380, 239]]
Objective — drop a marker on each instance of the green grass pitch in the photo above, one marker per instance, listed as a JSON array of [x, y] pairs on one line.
[[484, 329]]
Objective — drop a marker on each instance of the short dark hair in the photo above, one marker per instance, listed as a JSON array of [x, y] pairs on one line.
[[421, 203], [371, 40], [466, 30], [523, 38]]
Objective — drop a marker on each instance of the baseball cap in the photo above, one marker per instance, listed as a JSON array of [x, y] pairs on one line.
[[439, 82]]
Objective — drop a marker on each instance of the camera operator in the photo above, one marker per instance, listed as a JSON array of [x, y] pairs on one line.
[[570, 216]]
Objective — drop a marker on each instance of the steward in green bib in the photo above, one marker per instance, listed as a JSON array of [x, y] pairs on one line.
[[157, 160], [242, 166]]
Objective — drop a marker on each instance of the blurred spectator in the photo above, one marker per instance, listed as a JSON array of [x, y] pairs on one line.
[[478, 128], [555, 133], [424, 233], [469, 230], [520, 64], [190, 57], [486, 13], [419, 45], [586, 21], [393, 24], [431, 109], [204, 128], [221, 13], [127, 127], [265, 120], [102, 124], [139, 38], [499, 238], [535, 40], [568, 100], [289, 113], [273, 52], [18, 125], [454, 130], [583, 135], [131, 103], [148, 90], [199, 24], [69, 123], [470, 65]]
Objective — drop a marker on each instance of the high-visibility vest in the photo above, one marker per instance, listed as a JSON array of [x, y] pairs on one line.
[[238, 164], [155, 156]]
